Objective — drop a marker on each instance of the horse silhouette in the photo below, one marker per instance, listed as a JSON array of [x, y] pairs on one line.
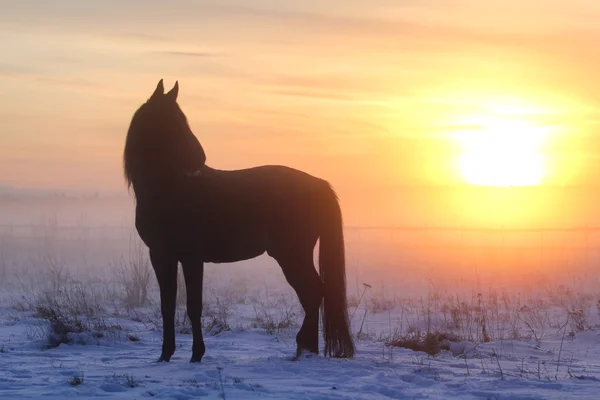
[[189, 213]]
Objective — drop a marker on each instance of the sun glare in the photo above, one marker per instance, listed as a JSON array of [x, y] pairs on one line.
[[502, 152]]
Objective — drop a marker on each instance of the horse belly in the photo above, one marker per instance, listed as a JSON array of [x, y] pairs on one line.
[[233, 247]]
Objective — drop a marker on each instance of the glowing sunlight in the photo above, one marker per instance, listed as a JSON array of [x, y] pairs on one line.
[[502, 152]]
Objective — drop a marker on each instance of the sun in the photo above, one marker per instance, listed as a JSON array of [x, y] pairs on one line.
[[501, 152]]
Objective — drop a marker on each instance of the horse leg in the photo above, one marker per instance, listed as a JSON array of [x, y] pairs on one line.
[[194, 274], [301, 274], [165, 268]]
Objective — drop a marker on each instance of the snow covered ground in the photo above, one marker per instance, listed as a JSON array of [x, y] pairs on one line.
[[539, 339], [249, 364]]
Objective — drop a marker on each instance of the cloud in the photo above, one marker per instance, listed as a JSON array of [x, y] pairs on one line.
[[7, 69], [62, 81], [311, 94], [154, 20], [141, 37], [200, 54]]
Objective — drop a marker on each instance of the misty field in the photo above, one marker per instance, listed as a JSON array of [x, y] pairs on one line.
[[435, 313]]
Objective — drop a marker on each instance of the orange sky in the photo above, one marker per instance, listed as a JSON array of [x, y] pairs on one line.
[[364, 94]]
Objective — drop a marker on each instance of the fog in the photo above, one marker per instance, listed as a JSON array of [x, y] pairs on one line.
[[87, 234]]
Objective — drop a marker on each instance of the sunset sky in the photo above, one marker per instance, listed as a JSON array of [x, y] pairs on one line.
[[364, 94]]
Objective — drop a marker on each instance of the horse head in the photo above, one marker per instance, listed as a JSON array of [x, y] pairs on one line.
[[160, 144]]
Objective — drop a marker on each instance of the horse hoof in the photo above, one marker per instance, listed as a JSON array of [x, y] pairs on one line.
[[304, 352], [196, 359], [303, 356], [163, 359], [299, 354]]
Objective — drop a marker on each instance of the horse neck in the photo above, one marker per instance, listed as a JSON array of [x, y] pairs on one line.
[[157, 190]]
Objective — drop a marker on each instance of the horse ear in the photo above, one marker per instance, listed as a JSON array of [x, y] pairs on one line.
[[172, 95], [159, 91]]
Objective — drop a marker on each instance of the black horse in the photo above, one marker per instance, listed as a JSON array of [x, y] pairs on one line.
[[190, 213]]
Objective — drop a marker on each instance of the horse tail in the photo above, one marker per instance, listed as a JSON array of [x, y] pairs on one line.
[[336, 330]]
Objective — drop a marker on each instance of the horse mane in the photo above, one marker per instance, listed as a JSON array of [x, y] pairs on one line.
[[129, 152]]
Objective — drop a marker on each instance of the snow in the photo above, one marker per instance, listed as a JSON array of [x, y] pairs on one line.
[[544, 329], [251, 363]]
